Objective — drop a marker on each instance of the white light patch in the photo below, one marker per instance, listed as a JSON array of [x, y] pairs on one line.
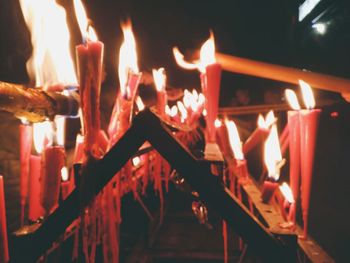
[[306, 7]]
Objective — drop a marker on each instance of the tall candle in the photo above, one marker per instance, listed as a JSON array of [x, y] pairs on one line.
[[35, 208], [25, 131], [4, 252]]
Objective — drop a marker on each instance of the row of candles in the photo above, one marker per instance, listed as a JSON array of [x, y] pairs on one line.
[[44, 175]]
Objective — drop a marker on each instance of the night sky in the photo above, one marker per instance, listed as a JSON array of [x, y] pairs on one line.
[[263, 30]]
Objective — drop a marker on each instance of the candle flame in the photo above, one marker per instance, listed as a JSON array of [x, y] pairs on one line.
[[127, 58], [217, 123], [42, 135], [287, 192], [235, 141], [268, 121], [51, 62], [60, 123], [179, 58], [136, 161], [187, 99], [86, 30], [174, 111], [207, 53], [272, 154], [159, 78], [292, 99], [182, 110], [308, 96], [64, 174], [140, 104]]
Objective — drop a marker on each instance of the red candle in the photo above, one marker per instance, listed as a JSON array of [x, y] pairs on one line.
[[294, 154], [53, 162], [308, 131], [4, 252], [268, 190], [35, 208], [25, 145], [259, 135], [79, 149]]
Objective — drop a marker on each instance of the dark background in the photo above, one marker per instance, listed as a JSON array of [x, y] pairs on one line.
[[262, 30]]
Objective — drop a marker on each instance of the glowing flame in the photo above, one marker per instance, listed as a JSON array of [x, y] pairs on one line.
[[127, 57], [140, 104], [64, 174], [42, 135], [207, 56], [287, 192], [292, 99], [179, 58], [51, 62], [235, 141], [207, 53], [187, 99], [268, 121], [182, 110], [272, 154], [173, 111], [60, 123], [136, 161], [204, 112], [308, 96], [217, 123], [159, 78]]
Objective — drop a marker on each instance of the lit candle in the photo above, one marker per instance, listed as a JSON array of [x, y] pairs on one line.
[[260, 133], [25, 144], [40, 139], [4, 252], [129, 78], [65, 183], [159, 78], [294, 145], [308, 131], [210, 81], [89, 62], [289, 201], [273, 162]]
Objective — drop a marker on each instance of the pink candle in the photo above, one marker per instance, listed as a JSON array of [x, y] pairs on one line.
[[4, 252], [25, 145], [89, 60], [259, 135], [53, 162], [268, 190], [294, 154], [35, 208], [308, 131]]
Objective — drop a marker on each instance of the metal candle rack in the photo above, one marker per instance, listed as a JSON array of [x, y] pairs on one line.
[[29, 243]]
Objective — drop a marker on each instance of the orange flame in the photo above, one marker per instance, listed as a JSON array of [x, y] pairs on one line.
[[42, 134], [51, 62], [159, 78], [292, 99], [287, 192], [127, 57], [235, 141], [86, 30], [207, 56], [64, 174], [272, 154], [308, 96]]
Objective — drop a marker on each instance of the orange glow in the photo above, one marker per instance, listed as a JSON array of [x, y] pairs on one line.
[[86, 30], [182, 110], [272, 154], [235, 141], [60, 123], [179, 58], [42, 131], [51, 62], [136, 161], [140, 104], [64, 174], [159, 78], [287, 192], [217, 123], [127, 58], [207, 56], [308, 96], [207, 53], [292, 99]]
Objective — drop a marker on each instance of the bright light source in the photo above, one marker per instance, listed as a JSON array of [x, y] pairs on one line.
[[320, 28], [306, 8]]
